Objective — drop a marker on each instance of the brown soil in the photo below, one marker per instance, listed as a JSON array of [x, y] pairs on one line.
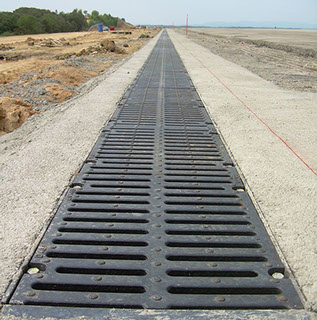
[[47, 50], [57, 92], [292, 67], [68, 75], [13, 113], [44, 69]]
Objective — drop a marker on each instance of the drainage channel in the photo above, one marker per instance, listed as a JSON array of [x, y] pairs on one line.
[[158, 217]]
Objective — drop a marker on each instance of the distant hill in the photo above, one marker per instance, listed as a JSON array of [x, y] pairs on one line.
[[253, 24], [124, 25]]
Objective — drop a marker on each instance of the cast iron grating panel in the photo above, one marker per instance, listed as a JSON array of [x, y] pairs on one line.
[[157, 216]]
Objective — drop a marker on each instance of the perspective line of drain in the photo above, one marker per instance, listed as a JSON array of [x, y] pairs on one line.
[[158, 217]]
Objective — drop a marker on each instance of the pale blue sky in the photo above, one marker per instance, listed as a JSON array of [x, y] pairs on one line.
[[174, 11]]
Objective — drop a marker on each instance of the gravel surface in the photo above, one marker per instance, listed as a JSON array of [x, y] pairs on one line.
[[289, 70], [34, 92], [282, 185], [39, 159]]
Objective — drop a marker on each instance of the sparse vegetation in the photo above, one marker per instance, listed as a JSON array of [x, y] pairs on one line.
[[34, 21], [106, 19]]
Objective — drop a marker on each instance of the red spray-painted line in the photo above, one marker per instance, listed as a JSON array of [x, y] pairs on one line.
[[301, 68], [262, 121]]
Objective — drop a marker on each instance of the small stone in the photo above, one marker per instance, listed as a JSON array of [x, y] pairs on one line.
[[40, 91]]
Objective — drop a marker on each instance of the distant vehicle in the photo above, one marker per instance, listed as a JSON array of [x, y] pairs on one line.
[[112, 28], [105, 28]]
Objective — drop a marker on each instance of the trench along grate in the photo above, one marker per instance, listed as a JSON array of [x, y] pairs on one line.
[[158, 216]]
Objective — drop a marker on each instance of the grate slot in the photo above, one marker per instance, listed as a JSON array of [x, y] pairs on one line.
[[201, 244], [101, 243], [211, 233], [226, 291], [83, 288], [94, 199], [208, 222], [212, 274], [114, 178], [113, 193], [102, 230], [100, 219], [206, 212], [200, 195], [217, 258], [121, 168], [95, 256], [111, 272], [121, 186]]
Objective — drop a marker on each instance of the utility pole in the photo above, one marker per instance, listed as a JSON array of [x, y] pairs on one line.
[[187, 25]]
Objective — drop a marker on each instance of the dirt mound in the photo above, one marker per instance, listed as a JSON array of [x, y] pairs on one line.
[[13, 113], [58, 92], [30, 41], [53, 42], [108, 45], [4, 47], [124, 25], [68, 76], [11, 57], [103, 47], [144, 36]]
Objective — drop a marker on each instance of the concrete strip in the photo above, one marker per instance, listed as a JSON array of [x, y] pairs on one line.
[[40, 158], [283, 186], [55, 313]]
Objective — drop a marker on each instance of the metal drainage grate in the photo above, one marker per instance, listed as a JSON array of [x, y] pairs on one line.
[[158, 216]]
